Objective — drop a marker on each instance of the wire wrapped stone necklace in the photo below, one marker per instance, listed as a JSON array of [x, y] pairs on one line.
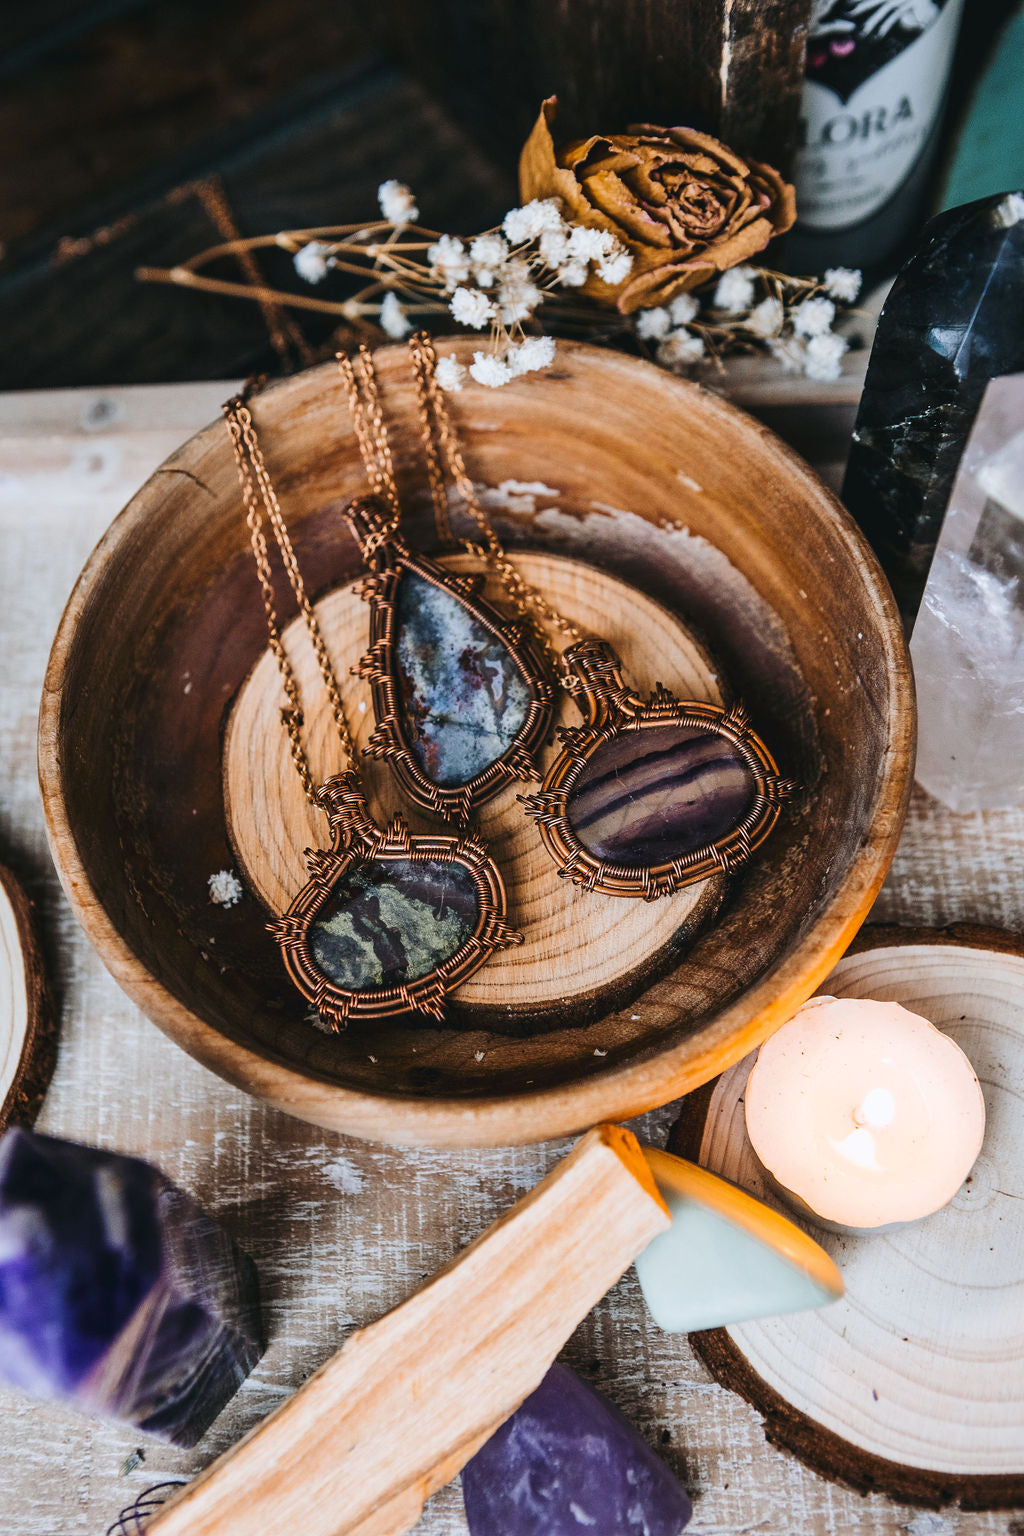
[[389, 922], [646, 796]]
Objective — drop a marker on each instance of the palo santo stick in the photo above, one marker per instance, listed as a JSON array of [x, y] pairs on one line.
[[403, 1405]]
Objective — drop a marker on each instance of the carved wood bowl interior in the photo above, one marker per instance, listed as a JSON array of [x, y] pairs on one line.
[[752, 582]]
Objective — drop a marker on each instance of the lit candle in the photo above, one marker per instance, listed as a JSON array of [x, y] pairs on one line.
[[864, 1114]]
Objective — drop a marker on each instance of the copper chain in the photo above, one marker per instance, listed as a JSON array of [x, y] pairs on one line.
[[436, 427], [252, 467]]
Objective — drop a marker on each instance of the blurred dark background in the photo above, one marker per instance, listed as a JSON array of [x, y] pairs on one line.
[[136, 133]]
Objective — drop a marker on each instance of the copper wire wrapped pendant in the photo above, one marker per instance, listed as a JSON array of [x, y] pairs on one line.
[[460, 695], [646, 798], [389, 923]]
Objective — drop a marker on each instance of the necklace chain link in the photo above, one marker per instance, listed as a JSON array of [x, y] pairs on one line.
[[251, 465]]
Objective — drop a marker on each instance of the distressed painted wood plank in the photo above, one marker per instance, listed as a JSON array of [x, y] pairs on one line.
[[341, 1231]]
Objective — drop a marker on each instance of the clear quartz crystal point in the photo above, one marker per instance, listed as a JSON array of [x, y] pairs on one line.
[[968, 642]]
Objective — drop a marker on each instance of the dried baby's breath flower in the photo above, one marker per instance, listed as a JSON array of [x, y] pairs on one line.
[[530, 221], [450, 373], [490, 370], [488, 250], [397, 203], [573, 274], [842, 283], [680, 349], [616, 267], [766, 319], [312, 261], [393, 320], [653, 324], [449, 260], [735, 289], [682, 310], [825, 355], [533, 353], [790, 352], [471, 307], [814, 317]]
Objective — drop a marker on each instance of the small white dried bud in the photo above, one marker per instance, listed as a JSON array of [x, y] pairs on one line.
[[680, 350], [533, 353], [393, 319], [312, 262], [450, 374], [616, 267], [225, 888], [842, 284], [471, 307], [790, 352], [449, 260], [573, 274], [530, 221], [684, 309], [554, 248], [653, 324], [825, 355], [490, 370], [397, 203], [735, 290], [518, 294], [488, 250], [591, 244], [813, 317], [765, 319]]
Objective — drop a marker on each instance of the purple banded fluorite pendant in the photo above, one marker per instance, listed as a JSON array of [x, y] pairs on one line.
[[389, 922], [645, 798], [460, 696]]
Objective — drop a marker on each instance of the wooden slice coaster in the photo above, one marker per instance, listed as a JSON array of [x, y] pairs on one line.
[[913, 1384], [27, 1033], [577, 945]]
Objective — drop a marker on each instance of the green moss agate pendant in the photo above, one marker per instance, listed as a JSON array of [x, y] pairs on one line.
[[389, 923]]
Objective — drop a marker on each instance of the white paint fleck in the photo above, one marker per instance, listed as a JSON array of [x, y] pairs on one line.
[[479, 1055], [604, 506], [345, 1175], [516, 496], [928, 1523], [599, 1053], [690, 483], [580, 1515]]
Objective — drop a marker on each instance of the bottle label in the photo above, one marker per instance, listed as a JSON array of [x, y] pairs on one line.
[[876, 76]]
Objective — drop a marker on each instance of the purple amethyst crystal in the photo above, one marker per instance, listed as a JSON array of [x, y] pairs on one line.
[[568, 1464], [117, 1292]]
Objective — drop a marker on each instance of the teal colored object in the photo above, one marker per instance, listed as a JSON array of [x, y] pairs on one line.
[[726, 1258], [989, 156]]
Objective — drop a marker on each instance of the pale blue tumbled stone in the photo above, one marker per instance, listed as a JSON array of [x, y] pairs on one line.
[[726, 1258]]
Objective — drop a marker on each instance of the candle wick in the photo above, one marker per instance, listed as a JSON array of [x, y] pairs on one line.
[[876, 1109]]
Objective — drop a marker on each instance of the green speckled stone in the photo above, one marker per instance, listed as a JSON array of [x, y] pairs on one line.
[[393, 921]]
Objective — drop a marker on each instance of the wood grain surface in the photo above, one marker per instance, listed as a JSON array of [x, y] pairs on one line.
[[913, 1382], [341, 1230], [407, 1401], [574, 950]]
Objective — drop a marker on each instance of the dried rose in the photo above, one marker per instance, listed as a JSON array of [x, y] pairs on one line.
[[683, 203]]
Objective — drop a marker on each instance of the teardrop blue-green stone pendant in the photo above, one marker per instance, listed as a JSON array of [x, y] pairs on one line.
[[389, 923], [460, 696]]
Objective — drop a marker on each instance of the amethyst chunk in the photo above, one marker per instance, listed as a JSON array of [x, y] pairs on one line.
[[117, 1292], [568, 1464]]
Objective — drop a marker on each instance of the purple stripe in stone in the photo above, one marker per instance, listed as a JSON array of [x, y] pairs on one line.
[[650, 796]]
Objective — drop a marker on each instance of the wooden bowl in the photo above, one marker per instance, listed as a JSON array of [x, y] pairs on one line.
[[602, 460]]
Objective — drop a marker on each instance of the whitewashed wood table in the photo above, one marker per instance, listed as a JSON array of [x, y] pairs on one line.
[[340, 1231]]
